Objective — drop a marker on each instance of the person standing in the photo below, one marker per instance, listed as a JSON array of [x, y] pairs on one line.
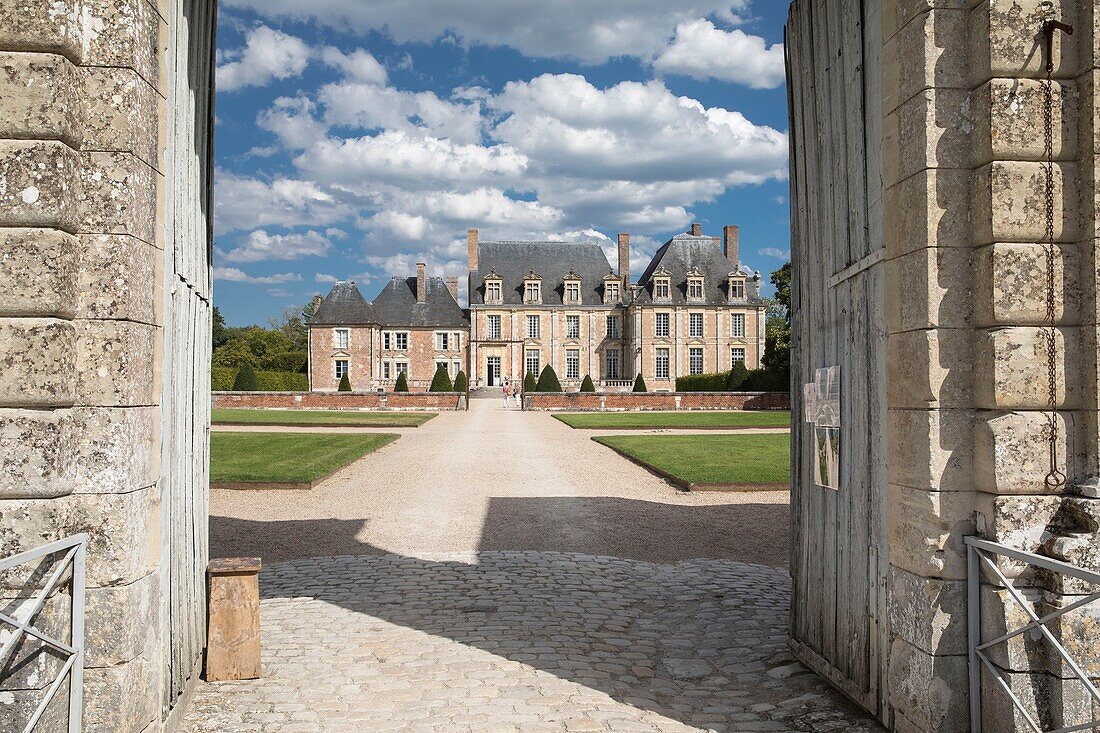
[[507, 393]]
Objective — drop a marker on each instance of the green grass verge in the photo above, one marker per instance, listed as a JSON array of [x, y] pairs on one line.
[[237, 416], [706, 459], [717, 419], [287, 457]]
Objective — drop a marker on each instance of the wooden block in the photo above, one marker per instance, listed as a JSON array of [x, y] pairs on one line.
[[233, 637]]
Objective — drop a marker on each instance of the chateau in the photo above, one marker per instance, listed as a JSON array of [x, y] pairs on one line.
[[694, 310]]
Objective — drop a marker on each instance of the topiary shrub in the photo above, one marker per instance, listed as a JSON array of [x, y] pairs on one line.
[[245, 381], [345, 384], [221, 378], [441, 382], [461, 383], [737, 376], [402, 383], [639, 384], [586, 384], [529, 383], [548, 380]]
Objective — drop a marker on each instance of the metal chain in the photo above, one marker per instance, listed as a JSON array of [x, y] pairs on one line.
[[1055, 478]]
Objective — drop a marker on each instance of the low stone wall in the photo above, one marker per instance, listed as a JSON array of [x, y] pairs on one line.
[[624, 401], [342, 400]]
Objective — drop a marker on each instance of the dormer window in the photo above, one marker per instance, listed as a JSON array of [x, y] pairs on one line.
[[662, 288], [612, 290], [532, 288], [572, 283], [736, 287], [494, 288], [695, 288]]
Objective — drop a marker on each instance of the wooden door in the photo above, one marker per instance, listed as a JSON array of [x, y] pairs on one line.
[[838, 542]]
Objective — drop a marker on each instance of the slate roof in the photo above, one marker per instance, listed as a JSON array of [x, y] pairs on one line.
[[551, 260], [396, 305], [343, 306], [685, 252]]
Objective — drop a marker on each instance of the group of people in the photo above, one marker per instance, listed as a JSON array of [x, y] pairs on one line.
[[512, 391]]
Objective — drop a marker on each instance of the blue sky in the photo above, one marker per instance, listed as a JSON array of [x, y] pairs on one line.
[[355, 139]]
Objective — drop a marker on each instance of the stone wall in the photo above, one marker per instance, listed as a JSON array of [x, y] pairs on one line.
[[341, 400], [628, 401]]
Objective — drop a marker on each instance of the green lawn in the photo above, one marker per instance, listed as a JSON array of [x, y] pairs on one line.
[[719, 459], [287, 457], [718, 419], [234, 416]]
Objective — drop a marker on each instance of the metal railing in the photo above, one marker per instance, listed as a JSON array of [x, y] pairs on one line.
[[981, 553], [75, 555]]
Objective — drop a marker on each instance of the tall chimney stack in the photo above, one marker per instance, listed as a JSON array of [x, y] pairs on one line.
[[696, 229], [452, 285], [624, 260], [471, 248], [421, 283], [731, 244]]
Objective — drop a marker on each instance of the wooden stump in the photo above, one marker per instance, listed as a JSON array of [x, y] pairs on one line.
[[233, 636]]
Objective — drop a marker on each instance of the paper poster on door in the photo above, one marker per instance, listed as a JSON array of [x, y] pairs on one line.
[[821, 399]]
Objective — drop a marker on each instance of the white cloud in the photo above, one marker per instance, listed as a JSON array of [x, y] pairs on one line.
[[774, 252], [370, 106], [247, 203], [291, 120], [232, 274], [323, 278], [359, 65], [261, 246], [702, 51], [268, 55]]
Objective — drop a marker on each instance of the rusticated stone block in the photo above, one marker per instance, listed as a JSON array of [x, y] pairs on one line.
[[926, 530], [40, 96], [37, 180], [27, 25], [119, 196], [116, 363], [928, 613], [118, 278], [929, 288], [122, 113], [1010, 284], [1010, 116], [1002, 44], [1010, 202], [1076, 540], [929, 209], [932, 129], [930, 449], [116, 448], [37, 362], [33, 665], [17, 708], [1021, 522], [931, 689], [929, 368], [37, 450], [129, 35], [121, 621], [928, 51], [1010, 367], [1012, 455], [37, 273], [1052, 702], [132, 689]]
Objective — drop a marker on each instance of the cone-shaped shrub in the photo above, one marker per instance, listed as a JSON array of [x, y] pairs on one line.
[[586, 384], [245, 381], [402, 383], [737, 376], [441, 382], [548, 380], [639, 384], [461, 383], [345, 384], [529, 383]]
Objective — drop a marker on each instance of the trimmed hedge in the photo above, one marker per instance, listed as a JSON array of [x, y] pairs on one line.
[[639, 384], [548, 380], [702, 382], [587, 385], [441, 381], [738, 379], [345, 384], [286, 361], [461, 383], [222, 379], [402, 384], [529, 383]]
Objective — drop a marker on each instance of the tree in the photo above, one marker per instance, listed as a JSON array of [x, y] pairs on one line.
[[219, 335], [586, 384], [264, 342], [402, 383], [462, 384], [529, 383], [345, 384], [737, 376], [292, 324], [639, 384], [245, 381], [781, 279], [441, 382], [548, 380], [234, 355]]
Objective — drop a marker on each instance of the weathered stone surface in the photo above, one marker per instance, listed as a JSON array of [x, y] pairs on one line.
[[116, 448], [1010, 202], [1011, 452], [927, 51], [930, 449], [1010, 367], [1010, 284], [39, 95], [26, 344], [122, 113], [16, 709], [127, 34], [132, 690], [929, 367], [33, 665], [121, 621], [1009, 117], [929, 209], [928, 613], [114, 359], [926, 530], [1020, 522], [26, 25], [38, 183], [118, 278], [937, 125], [1050, 701], [931, 689], [119, 196], [999, 48], [37, 273], [927, 288], [36, 453], [1076, 540]]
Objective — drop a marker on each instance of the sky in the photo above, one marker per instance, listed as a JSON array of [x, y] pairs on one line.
[[354, 139]]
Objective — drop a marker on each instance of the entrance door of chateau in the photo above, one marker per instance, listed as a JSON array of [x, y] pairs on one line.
[[492, 370]]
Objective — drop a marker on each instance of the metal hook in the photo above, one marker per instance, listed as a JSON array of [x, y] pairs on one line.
[[1049, 26]]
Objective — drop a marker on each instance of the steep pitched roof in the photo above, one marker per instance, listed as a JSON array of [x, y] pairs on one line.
[[343, 306], [397, 306], [684, 253], [551, 260]]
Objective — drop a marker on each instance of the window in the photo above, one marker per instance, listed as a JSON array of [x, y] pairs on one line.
[[573, 292], [661, 289], [611, 292], [695, 325], [661, 325], [494, 327], [572, 364], [492, 291], [695, 360], [736, 355], [456, 367], [385, 370], [442, 341], [531, 292], [401, 341], [737, 325], [532, 327], [572, 327], [341, 368], [401, 367], [342, 338], [613, 327], [737, 289], [695, 288], [456, 341], [386, 340], [660, 370], [531, 362], [612, 360]]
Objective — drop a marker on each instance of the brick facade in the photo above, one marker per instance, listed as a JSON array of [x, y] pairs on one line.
[[324, 353], [627, 401]]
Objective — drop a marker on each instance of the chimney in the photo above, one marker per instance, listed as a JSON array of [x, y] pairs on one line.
[[731, 244], [696, 229], [421, 283], [471, 248], [452, 285], [316, 302], [624, 260]]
